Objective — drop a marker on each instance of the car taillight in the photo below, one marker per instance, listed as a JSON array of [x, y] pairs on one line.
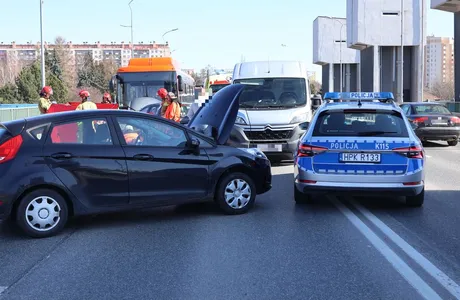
[[410, 152], [420, 120], [10, 148], [455, 121], [309, 151]]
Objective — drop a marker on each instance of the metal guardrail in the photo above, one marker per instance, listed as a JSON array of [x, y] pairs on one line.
[[10, 114]]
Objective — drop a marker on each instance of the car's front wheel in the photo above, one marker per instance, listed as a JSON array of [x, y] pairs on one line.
[[452, 143], [416, 201], [42, 213], [236, 193]]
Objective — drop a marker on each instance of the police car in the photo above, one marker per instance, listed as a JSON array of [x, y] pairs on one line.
[[360, 144]]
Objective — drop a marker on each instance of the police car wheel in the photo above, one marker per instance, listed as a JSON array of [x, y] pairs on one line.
[[42, 213], [236, 193], [301, 198], [416, 201], [452, 143]]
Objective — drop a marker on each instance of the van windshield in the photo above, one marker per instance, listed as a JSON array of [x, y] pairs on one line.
[[273, 93]]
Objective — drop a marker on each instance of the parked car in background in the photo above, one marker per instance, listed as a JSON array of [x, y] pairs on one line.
[[59, 165], [433, 122]]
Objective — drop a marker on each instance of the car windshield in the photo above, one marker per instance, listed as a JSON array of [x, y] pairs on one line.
[[429, 109], [273, 93], [217, 87], [360, 123]]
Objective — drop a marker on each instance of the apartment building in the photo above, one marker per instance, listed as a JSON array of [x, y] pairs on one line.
[[439, 58], [120, 53]]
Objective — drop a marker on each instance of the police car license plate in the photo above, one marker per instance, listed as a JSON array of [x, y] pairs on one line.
[[270, 147], [360, 157]]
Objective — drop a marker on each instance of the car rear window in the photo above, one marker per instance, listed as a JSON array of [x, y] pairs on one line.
[[431, 109], [360, 123]]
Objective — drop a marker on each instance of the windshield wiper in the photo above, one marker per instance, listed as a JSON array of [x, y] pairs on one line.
[[371, 133]]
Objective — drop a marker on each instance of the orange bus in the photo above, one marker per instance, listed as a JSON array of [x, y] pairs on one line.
[[143, 77]]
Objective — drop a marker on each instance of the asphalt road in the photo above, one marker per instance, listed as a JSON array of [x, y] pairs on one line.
[[333, 249]]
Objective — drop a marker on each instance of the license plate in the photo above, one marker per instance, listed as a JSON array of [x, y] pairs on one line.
[[439, 122], [270, 147], [360, 157]]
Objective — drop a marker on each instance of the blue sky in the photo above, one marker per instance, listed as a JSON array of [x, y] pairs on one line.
[[210, 32]]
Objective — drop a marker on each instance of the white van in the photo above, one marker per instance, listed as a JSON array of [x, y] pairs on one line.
[[275, 107]]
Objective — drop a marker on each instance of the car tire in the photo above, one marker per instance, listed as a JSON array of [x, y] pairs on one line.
[[452, 143], [416, 201], [301, 198], [38, 221], [236, 193]]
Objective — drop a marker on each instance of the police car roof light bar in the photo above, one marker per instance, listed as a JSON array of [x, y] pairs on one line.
[[360, 97]]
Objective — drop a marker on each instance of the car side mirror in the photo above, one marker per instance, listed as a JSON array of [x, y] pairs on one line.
[[185, 120], [194, 143], [304, 126], [180, 83]]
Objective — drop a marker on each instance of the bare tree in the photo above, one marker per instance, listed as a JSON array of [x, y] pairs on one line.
[[64, 56], [443, 90]]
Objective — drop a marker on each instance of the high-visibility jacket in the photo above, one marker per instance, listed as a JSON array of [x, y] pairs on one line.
[[86, 106], [43, 105], [173, 112]]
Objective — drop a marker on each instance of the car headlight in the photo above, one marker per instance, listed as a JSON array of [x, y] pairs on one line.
[[240, 121], [299, 119], [254, 151]]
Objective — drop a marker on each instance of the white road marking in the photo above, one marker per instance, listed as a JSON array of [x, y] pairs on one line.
[[411, 277], [429, 156], [431, 269], [2, 289]]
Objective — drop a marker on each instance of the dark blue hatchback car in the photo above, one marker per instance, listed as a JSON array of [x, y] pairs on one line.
[[67, 164]]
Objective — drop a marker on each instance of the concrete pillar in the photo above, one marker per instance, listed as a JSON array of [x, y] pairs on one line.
[[399, 65], [358, 77], [457, 55], [347, 77], [376, 70], [331, 77]]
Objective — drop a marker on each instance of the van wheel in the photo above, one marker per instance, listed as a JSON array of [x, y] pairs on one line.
[[416, 201], [42, 213], [301, 198], [452, 143], [236, 193]]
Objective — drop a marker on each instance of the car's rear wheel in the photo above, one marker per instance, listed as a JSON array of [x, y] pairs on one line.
[[452, 143], [416, 201], [42, 213], [301, 198], [236, 193]]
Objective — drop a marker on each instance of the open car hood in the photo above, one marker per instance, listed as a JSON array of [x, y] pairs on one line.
[[216, 116]]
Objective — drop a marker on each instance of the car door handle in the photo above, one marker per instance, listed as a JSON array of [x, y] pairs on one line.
[[143, 157], [61, 155]]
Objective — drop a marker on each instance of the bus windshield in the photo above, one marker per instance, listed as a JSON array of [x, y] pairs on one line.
[[146, 84], [273, 93]]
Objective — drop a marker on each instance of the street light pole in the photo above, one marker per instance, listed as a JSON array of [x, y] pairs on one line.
[[163, 36], [42, 46], [132, 29], [401, 96], [341, 65]]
